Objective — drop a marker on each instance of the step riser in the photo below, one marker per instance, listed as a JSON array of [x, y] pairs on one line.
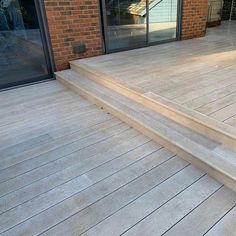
[[202, 124], [223, 178]]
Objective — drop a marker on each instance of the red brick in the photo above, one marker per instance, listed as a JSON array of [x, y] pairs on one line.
[[65, 29], [194, 18]]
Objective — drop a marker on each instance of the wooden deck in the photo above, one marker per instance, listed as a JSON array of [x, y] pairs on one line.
[[69, 168], [199, 74]]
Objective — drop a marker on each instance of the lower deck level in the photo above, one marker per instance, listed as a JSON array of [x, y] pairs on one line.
[[70, 168]]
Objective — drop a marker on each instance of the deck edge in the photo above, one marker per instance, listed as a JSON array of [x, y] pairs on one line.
[[194, 120]]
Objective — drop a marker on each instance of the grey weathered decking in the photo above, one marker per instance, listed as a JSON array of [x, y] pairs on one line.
[[199, 74], [68, 167]]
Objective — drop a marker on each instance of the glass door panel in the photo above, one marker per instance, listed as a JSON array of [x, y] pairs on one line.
[[162, 20], [125, 24], [22, 56]]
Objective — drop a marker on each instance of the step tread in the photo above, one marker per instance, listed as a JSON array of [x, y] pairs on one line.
[[187, 139], [225, 128]]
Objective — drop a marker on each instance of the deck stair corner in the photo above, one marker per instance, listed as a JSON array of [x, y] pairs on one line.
[[207, 154]]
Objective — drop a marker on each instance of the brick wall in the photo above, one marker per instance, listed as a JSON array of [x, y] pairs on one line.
[[194, 18], [72, 22]]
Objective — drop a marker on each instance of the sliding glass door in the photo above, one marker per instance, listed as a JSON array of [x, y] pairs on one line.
[[135, 23], [123, 27], [23, 53]]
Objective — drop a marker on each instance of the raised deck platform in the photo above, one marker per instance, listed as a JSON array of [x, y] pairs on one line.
[[198, 74], [69, 168], [152, 88]]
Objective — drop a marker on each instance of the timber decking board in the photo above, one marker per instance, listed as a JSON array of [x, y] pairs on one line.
[[209, 213], [91, 167], [225, 226], [199, 73]]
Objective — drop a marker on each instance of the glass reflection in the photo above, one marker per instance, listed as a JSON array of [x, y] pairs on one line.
[[126, 26], [162, 20], [21, 51]]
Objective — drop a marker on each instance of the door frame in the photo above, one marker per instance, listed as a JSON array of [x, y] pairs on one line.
[[47, 49], [43, 24], [104, 30]]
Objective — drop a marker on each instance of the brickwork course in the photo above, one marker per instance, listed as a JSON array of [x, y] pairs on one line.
[[194, 18], [70, 23]]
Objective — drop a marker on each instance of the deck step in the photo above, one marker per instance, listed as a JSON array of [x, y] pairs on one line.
[[205, 153], [195, 120]]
